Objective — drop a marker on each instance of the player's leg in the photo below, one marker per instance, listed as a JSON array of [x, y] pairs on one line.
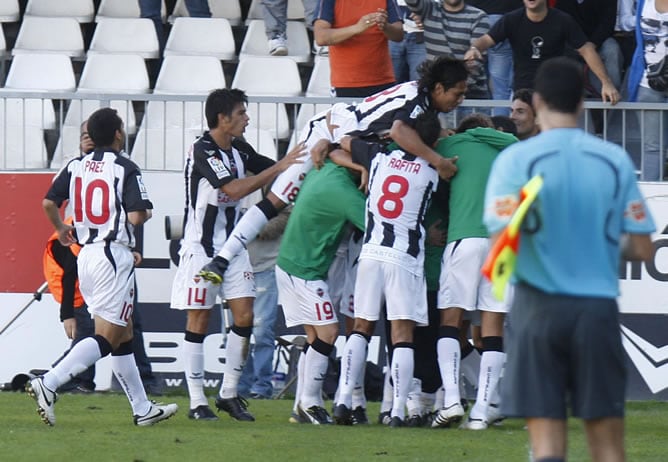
[[321, 338], [449, 362], [547, 438], [402, 367], [491, 364], [197, 297], [295, 417], [606, 439]]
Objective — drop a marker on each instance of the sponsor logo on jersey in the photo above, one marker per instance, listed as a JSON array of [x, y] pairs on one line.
[[651, 361], [504, 206], [218, 167], [417, 110], [636, 211], [142, 188]]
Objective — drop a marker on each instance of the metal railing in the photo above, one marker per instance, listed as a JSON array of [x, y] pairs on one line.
[[40, 130]]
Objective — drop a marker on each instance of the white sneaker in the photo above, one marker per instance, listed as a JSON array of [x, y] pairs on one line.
[[320, 50], [157, 413], [447, 415], [494, 416], [474, 424], [278, 46], [45, 399]]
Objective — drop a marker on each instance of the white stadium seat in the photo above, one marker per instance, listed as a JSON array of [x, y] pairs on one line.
[[163, 148], [228, 9], [262, 141], [50, 35], [201, 37], [255, 41], [135, 36], [295, 10], [319, 83], [251, 76], [81, 10], [123, 9], [9, 11], [22, 147]]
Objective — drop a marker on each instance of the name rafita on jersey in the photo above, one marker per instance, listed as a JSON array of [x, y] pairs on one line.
[[94, 166], [404, 165], [218, 167]]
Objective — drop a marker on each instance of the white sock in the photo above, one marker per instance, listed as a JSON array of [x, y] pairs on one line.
[[300, 380], [245, 231], [414, 402], [490, 371], [81, 357], [428, 401], [193, 355], [236, 352], [388, 393], [315, 369], [448, 363], [439, 397], [402, 367], [353, 359], [127, 374], [359, 395]]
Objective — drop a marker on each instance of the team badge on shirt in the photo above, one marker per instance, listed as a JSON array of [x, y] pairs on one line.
[[142, 188], [504, 206], [218, 167], [636, 211]]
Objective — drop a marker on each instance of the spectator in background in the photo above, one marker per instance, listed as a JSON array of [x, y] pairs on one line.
[[648, 81], [523, 114], [500, 56], [537, 33], [255, 380], [625, 27], [408, 54], [450, 27], [597, 20], [151, 9], [504, 124], [275, 14], [357, 34]]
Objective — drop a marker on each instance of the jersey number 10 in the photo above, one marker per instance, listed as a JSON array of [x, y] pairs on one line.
[[96, 189]]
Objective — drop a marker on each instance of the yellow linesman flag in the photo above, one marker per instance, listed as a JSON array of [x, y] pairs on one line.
[[500, 262]]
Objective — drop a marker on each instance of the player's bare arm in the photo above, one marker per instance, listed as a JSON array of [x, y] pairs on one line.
[[345, 159], [637, 247], [406, 137], [139, 217], [319, 153], [65, 232], [236, 189]]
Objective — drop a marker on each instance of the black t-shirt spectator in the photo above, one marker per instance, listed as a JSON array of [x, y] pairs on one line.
[[496, 6], [534, 42]]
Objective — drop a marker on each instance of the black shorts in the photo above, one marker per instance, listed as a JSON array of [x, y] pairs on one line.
[[563, 351]]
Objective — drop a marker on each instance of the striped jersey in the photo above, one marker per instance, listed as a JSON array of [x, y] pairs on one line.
[[376, 113], [400, 187], [102, 187], [451, 34], [210, 214]]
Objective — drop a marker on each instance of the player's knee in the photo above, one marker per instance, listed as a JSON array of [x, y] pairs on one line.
[[323, 347], [271, 205], [448, 332], [492, 344]]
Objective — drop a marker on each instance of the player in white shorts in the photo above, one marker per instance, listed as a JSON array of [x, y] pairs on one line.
[[393, 111], [216, 181], [391, 267], [108, 197], [462, 287]]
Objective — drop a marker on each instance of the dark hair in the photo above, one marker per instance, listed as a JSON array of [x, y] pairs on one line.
[[222, 101], [474, 120], [560, 83], [102, 126], [445, 70], [428, 127], [525, 95], [504, 124]]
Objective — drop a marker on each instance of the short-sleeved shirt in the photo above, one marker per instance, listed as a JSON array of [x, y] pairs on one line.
[[476, 148], [210, 214], [102, 187], [327, 201], [569, 242], [535, 42], [496, 6], [364, 59]]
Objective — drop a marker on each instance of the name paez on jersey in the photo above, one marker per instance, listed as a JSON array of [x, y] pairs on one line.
[[218, 167], [94, 166]]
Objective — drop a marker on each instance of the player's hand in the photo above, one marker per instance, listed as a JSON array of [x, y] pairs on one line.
[[293, 157], [364, 180], [137, 257], [609, 93], [86, 144], [435, 235], [446, 168], [66, 235], [70, 326], [319, 153]]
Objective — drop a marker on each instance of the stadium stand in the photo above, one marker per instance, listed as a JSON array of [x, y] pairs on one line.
[[230, 10], [135, 36], [123, 9], [81, 10], [255, 41], [9, 11], [295, 10]]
